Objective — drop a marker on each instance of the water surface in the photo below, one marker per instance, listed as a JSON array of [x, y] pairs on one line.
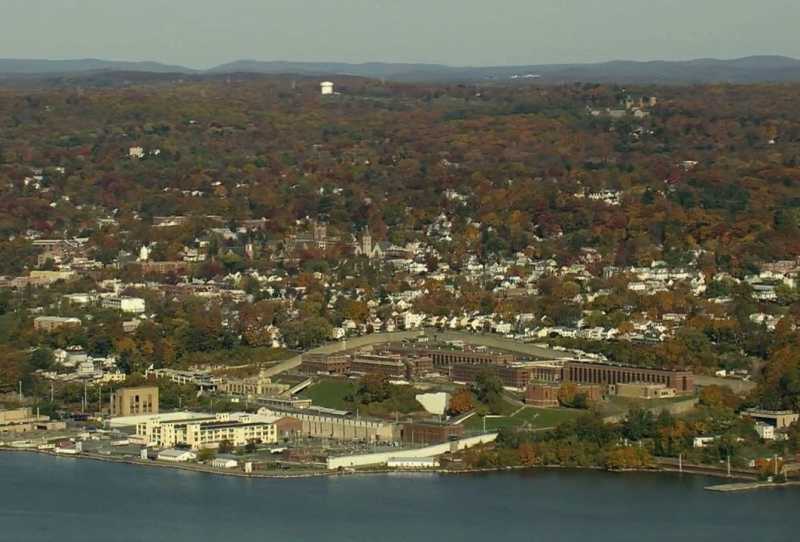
[[68, 499]]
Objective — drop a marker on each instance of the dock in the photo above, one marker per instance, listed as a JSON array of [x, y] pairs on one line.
[[749, 486]]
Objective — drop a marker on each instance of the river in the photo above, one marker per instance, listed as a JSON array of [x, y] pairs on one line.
[[44, 498]]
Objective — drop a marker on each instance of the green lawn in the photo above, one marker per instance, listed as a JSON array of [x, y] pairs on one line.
[[621, 405], [529, 417], [330, 393]]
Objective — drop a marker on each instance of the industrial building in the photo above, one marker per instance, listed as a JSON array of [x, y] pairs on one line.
[[325, 423], [390, 366], [431, 433], [779, 419], [545, 394], [134, 401], [446, 358], [252, 386], [330, 364], [23, 420], [581, 372], [516, 376]]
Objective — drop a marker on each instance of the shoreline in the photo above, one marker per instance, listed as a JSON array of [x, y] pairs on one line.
[[737, 483], [751, 486]]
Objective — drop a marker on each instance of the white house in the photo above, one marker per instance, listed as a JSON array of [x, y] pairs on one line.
[[702, 442], [136, 152], [224, 462], [176, 456], [765, 431], [326, 88]]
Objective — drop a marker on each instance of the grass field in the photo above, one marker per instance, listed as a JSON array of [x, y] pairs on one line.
[[621, 405], [330, 393], [528, 417]]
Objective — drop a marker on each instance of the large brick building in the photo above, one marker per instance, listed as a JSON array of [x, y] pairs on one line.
[[581, 372], [542, 395], [512, 376], [390, 366], [446, 358], [333, 364], [430, 433], [545, 394], [549, 371]]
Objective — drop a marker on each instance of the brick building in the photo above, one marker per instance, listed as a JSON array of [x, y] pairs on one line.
[[389, 365], [430, 433], [549, 371], [334, 364], [581, 372], [545, 394], [418, 366], [446, 358], [512, 376], [542, 395]]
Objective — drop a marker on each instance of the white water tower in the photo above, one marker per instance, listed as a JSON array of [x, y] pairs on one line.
[[327, 88]]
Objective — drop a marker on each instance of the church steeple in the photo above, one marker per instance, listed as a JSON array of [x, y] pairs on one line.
[[366, 243]]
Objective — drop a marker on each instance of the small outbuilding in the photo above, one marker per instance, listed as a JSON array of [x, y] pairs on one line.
[[176, 456], [225, 462]]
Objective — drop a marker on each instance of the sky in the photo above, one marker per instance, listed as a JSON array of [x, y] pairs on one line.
[[205, 33]]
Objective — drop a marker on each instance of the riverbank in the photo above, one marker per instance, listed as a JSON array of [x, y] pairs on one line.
[[750, 486], [204, 469]]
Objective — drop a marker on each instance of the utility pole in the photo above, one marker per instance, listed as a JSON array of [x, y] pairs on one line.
[[51, 392], [20, 391], [680, 462], [729, 465], [775, 460], [85, 399]]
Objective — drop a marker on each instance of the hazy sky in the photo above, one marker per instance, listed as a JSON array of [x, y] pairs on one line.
[[203, 33]]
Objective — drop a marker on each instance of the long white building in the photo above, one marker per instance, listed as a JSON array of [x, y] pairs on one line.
[[129, 305], [238, 429]]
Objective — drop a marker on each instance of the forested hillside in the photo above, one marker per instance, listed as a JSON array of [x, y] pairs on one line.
[[704, 178]]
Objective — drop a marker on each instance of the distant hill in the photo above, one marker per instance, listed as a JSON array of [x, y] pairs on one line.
[[752, 69], [13, 66], [743, 70]]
